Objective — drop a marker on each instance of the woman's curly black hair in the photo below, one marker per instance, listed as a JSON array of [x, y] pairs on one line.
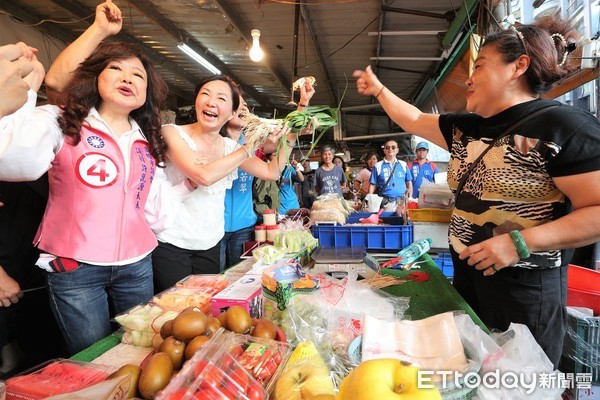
[[82, 94]]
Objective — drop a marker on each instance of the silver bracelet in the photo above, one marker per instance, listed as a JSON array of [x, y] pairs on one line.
[[247, 150]]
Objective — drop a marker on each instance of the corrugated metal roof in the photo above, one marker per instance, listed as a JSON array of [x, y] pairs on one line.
[[401, 39]]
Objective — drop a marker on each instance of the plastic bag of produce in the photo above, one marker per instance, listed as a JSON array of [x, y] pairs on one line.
[[330, 215], [515, 353], [333, 318], [281, 282], [329, 202]]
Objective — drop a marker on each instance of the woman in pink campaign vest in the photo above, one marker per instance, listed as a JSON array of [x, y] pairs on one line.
[[185, 208], [101, 150]]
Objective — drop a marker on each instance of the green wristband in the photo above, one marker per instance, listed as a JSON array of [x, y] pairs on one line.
[[520, 244]]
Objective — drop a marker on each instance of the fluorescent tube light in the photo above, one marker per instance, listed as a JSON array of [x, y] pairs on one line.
[[198, 58]]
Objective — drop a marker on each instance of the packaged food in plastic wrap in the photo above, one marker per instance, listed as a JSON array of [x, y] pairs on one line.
[[55, 377], [332, 317], [215, 281], [230, 366], [328, 215], [178, 298], [513, 353], [142, 324], [282, 281], [305, 375], [331, 202]]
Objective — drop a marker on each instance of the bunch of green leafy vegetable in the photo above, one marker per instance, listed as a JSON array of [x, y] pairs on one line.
[[317, 119]]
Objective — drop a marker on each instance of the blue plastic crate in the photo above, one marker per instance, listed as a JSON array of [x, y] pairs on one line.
[[444, 262], [373, 237], [388, 217]]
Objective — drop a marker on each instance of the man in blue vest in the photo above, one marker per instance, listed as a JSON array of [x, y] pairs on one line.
[[391, 177], [422, 168]]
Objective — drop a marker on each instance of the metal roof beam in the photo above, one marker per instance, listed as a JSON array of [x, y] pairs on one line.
[[81, 12], [315, 41], [244, 30], [446, 16], [407, 58], [149, 10], [30, 17], [406, 33]]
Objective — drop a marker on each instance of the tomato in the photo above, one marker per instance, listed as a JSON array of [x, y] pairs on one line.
[[255, 391], [201, 395], [229, 390], [209, 393], [227, 360], [266, 370], [178, 394], [239, 376], [277, 357], [198, 368], [236, 351], [212, 378]]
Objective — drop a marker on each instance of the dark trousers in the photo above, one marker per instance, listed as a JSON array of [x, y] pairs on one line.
[[171, 264], [232, 246], [533, 297]]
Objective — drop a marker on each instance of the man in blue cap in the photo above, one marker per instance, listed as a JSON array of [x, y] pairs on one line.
[[421, 168]]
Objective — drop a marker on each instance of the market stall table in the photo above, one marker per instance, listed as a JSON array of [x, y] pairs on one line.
[[431, 297]]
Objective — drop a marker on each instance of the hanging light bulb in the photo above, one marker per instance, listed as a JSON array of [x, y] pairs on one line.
[[256, 53]]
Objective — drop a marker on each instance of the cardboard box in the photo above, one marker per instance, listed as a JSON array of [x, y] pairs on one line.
[[437, 231], [245, 292]]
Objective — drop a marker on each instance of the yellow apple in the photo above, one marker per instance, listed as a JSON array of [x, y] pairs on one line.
[[303, 380], [384, 379], [321, 397]]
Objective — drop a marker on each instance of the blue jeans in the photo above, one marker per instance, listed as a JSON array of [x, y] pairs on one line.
[[232, 246], [80, 298]]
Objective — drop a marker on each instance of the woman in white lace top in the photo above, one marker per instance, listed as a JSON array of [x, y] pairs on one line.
[[190, 231]]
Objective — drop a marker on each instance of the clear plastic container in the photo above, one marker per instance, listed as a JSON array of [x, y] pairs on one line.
[[272, 231], [55, 377], [141, 324], [179, 298], [230, 366], [260, 233], [215, 281], [270, 217]]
